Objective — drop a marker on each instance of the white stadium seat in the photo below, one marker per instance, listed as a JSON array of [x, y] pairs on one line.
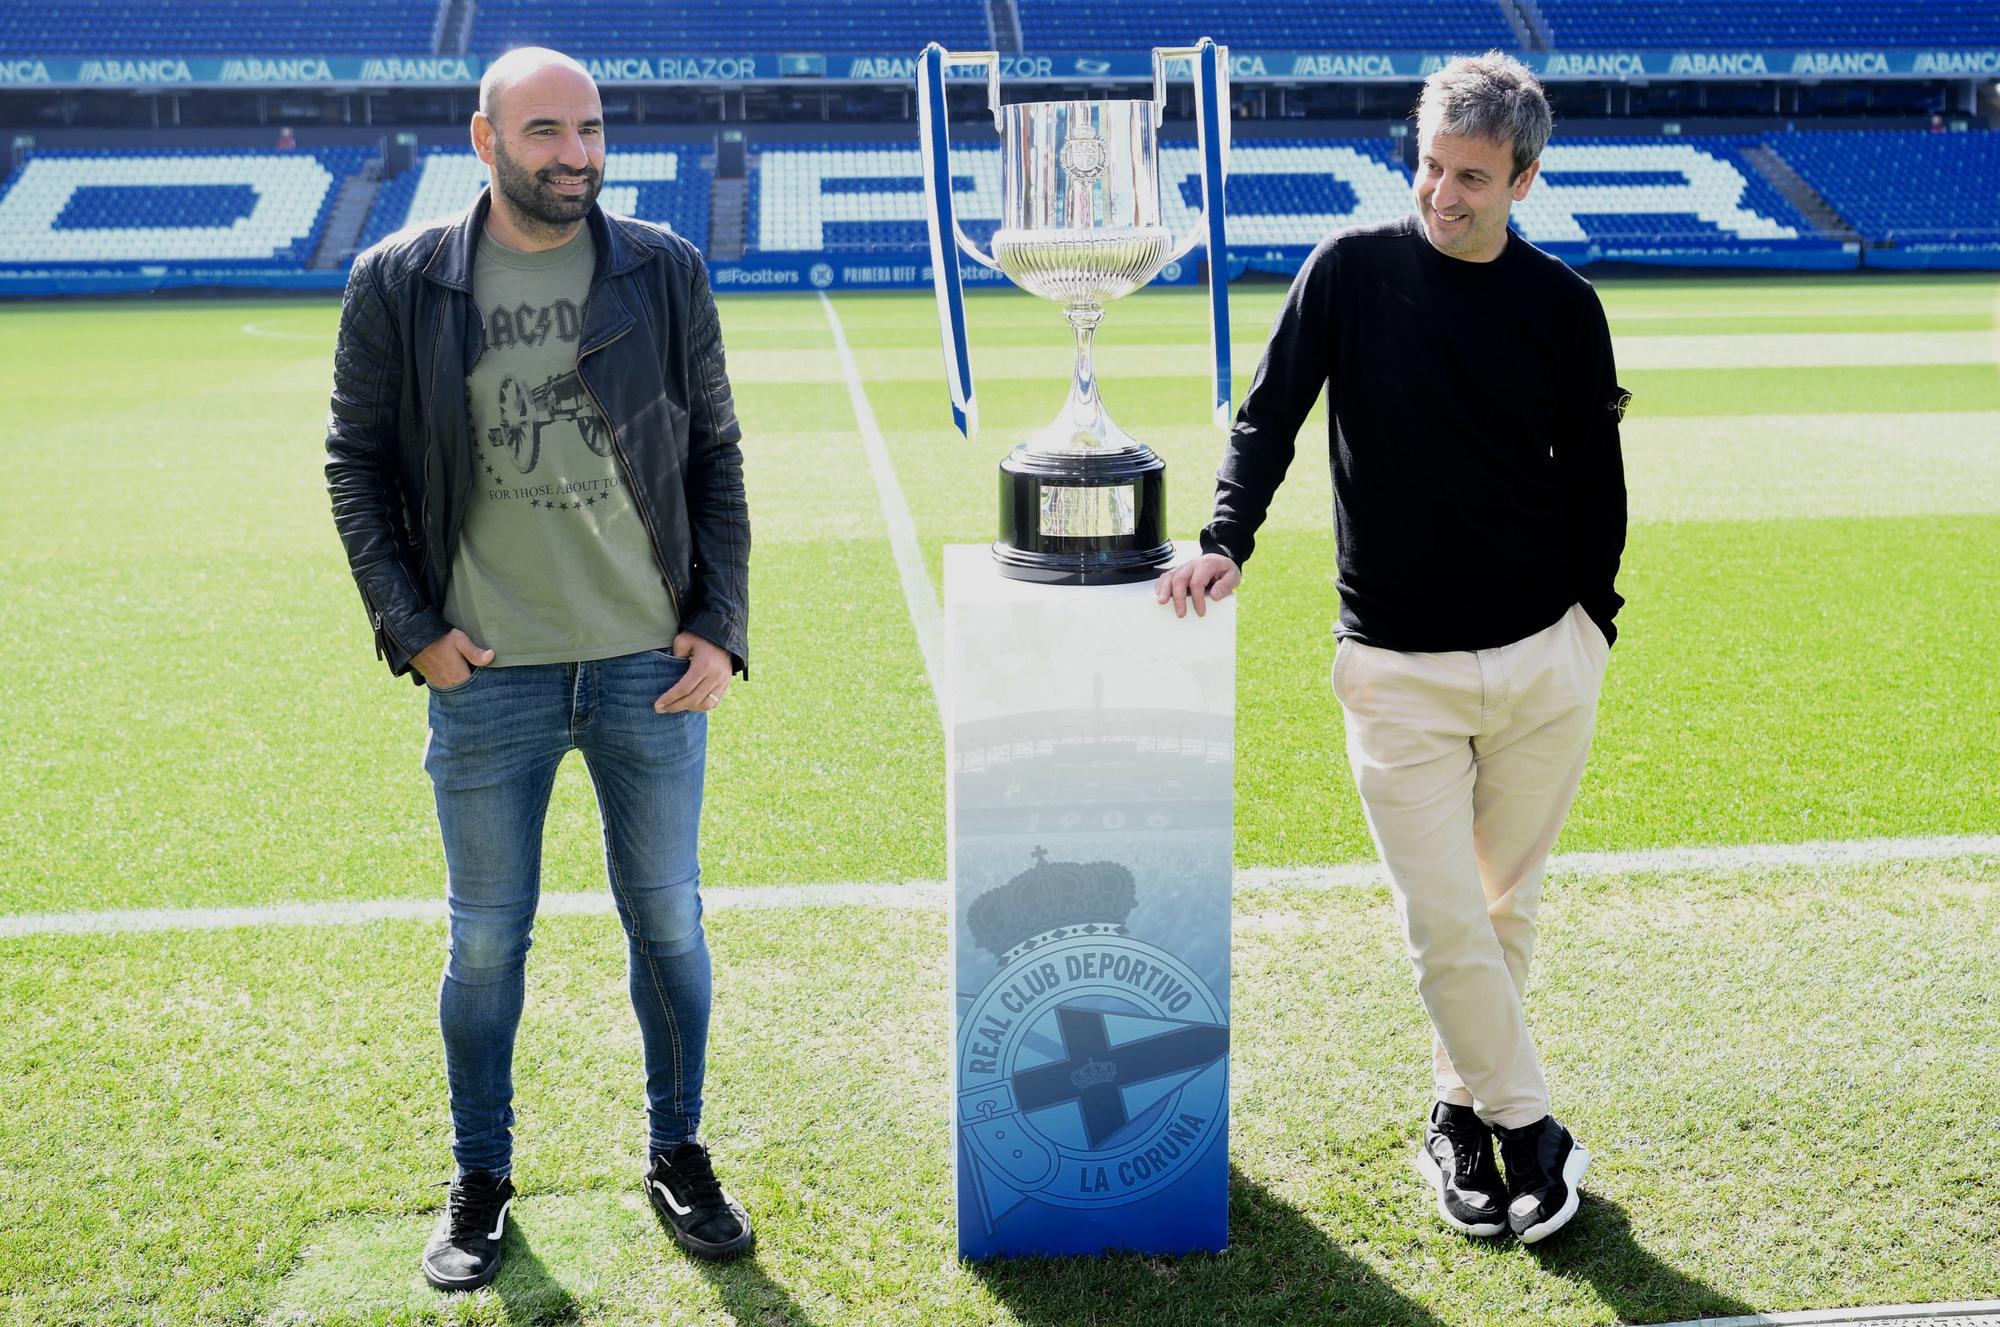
[[290, 189]]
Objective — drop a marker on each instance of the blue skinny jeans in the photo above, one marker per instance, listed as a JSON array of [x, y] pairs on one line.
[[495, 743]]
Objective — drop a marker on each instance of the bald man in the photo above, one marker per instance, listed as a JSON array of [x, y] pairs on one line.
[[533, 458]]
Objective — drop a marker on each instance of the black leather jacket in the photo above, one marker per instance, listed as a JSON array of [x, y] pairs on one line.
[[399, 454]]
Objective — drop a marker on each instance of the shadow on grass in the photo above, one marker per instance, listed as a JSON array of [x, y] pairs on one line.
[[1598, 1249], [1279, 1268], [529, 1296], [752, 1298]]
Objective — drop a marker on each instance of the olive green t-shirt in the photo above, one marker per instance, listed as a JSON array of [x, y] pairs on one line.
[[554, 564]]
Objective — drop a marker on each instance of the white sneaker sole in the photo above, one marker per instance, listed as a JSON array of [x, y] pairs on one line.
[[701, 1248], [1427, 1167], [1573, 1168]]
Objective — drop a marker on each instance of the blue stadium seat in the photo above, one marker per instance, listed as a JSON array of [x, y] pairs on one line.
[[665, 184], [405, 27], [1655, 191], [868, 198], [732, 27], [217, 27], [1710, 24], [1286, 195], [1903, 185], [262, 213], [1112, 25]]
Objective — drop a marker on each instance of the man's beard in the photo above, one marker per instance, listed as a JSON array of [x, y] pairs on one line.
[[534, 199]]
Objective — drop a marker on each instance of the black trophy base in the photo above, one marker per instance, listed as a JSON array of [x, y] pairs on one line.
[[1083, 520]]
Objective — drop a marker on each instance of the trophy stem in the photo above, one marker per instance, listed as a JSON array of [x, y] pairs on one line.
[[1086, 411], [1082, 427], [1082, 502]]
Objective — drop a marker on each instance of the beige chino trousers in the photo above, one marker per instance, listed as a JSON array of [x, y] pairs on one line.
[[1466, 763]]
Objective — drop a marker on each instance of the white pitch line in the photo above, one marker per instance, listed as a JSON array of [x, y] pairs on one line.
[[918, 593], [932, 894], [1727, 857], [252, 329], [924, 894]]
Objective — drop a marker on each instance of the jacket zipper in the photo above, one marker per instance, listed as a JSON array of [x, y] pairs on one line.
[[626, 469], [437, 337], [382, 627], [458, 521]]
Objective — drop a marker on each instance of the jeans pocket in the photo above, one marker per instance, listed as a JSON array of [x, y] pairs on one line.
[[454, 690]]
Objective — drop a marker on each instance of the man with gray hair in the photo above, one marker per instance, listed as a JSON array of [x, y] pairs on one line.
[[534, 463], [1479, 511]]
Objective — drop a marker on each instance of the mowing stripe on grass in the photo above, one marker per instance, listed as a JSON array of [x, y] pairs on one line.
[[918, 592], [1810, 466], [1977, 1313], [931, 893], [1805, 350]]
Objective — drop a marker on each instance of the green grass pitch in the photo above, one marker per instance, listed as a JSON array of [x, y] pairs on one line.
[[1787, 1074]]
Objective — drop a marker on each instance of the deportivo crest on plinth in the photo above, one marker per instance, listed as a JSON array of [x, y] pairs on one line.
[[1093, 1065]]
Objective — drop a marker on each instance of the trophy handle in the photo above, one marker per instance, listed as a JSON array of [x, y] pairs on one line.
[[937, 136], [941, 211], [1211, 117]]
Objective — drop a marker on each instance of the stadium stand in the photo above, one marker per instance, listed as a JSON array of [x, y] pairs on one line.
[[731, 26], [1654, 191], [394, 206], [1711, 24], [656, 184], [1292, 192], [217, 27], [78, 214], [1289, 194], [258, 216], [1897, 186], [108, 208], [1105, 25], [869, 199]]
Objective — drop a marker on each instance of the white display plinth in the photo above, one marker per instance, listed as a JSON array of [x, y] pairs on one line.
[[1090, 758]]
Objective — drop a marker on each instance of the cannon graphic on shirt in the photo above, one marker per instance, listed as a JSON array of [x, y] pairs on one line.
[[526, 411]]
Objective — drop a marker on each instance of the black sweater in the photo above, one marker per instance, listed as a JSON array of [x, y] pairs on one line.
[[1478, 489]]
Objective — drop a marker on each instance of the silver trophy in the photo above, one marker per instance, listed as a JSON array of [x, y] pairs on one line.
[[1082, 502]]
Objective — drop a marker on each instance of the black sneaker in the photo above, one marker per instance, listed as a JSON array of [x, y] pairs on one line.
[[1457, 1158], [1544, 1165], [464, 1254], [705, 1220]]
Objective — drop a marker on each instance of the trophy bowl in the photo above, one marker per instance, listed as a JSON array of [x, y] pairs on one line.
[[1082, 502], [1080, 200], [1082, 266]]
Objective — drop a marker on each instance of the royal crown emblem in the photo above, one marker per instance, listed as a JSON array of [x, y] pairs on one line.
[[1083, 156], [1052, 901], [1094, 1073]]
